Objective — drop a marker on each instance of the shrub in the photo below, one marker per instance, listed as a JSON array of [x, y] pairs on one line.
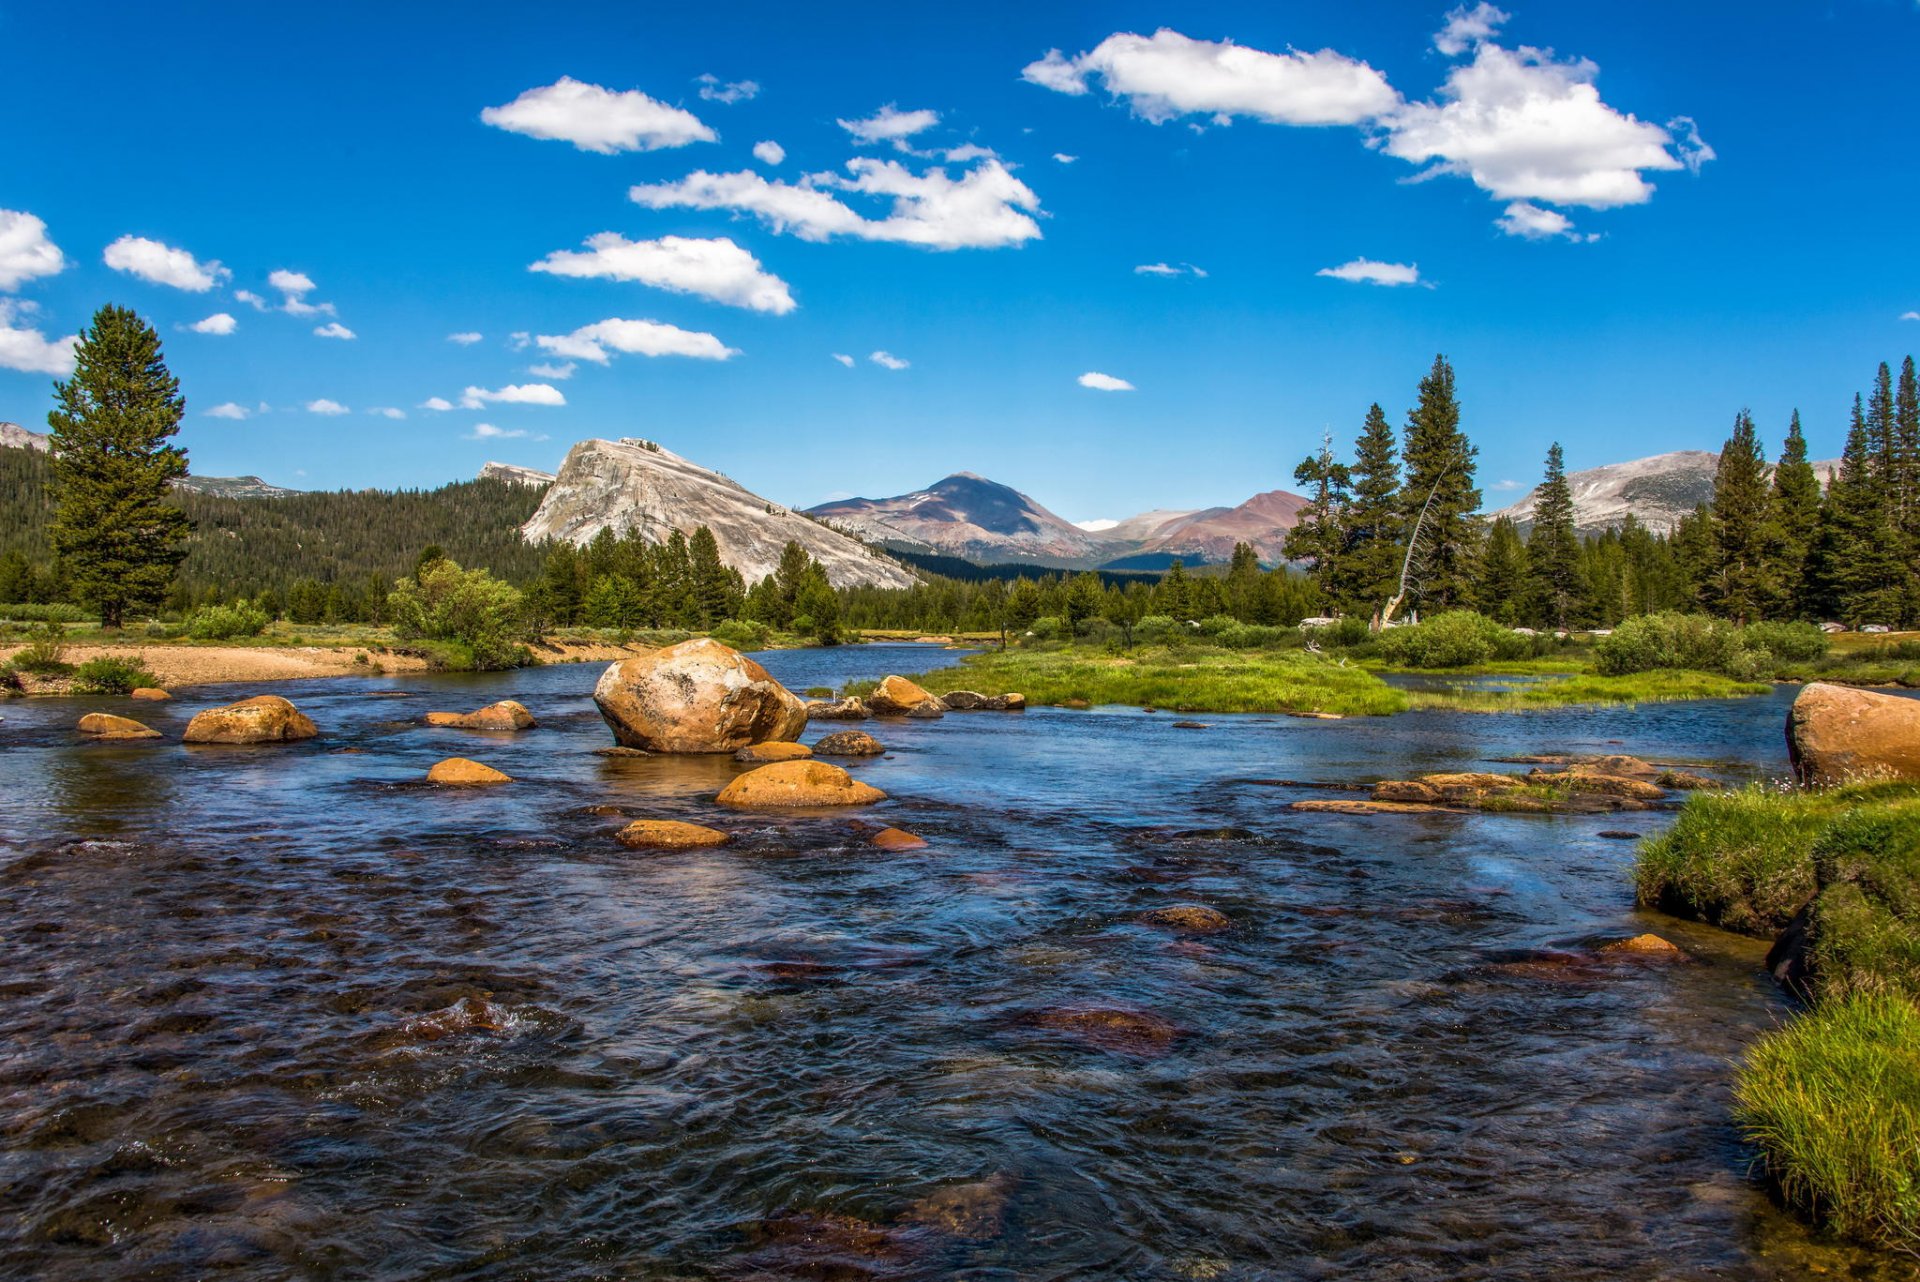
[[1833, 1100], [469, 608], [1215, 624], [1864, 936], [1349, 633], [1786, 642], [222, 622], [740, 634], [112, 676], [1157, 629], [1045, 628], [1456, 639], [1650, 641], [56, 612], [45, 651]]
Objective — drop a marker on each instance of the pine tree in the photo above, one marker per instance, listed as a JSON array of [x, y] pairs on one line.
[[1375, 525], [1856, 563], [1794, 516], [1553, 547], [1439, 462], [1504, 574], [716, 591], [1318, 535], [1738, 587], [1906, 488], [114, 529]]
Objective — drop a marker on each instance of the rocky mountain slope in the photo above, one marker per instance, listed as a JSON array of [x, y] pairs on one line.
[[1657, 491], [514, 474], [968, 516], [632, 484], [14, 436], [1209, 534]]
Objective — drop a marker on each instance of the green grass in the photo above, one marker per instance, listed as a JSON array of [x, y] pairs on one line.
[[112, 676], [1664, 685], [1864, 936], [1744, 860], [1833, 1100], [1187, 679]]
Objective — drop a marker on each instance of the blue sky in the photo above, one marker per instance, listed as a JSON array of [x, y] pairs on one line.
[[1628, 221]]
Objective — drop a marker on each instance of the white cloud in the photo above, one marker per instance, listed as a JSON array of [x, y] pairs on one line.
[[218, 323], [1104, 382], [1522, 126], [1468, 28], [436, 403], [290, 282], [163, 265], [327, 407], [890, 124], [1505, 485], [715, 269], [547, 369], [1910, 316], [333, 329], [488, 432], [887, 360], [1097, 526], [29, 350], [1367, 271], [1064, 158], [25, 250], [634, 337], [597, 119], [388, 411], [513, 394], [466, 338], [980, 210], [1167, 75], [1534, 223], [229, 410], [1168, 269], [295, 286], [713, 89], [769, 152], [847, 360], [1693, 149], [248, 296]]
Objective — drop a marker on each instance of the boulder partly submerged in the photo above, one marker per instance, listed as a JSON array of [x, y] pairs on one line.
[[973, 701], [104, 725], [1837, 734], [694, 697], [265, 718], [899, 697], [838, 710], [669, 834], [462, 772], [795, 784], [848, 743], [504, 715], [765, 753]]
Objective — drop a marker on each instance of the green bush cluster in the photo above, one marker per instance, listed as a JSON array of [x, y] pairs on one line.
[[470, 610], [1455, 639], [1698, 641], [112, 676], [224, 622], [741, 634], [56, 612], [45, 652]]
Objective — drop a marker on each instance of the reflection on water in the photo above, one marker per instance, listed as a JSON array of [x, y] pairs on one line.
[[284, 1012]]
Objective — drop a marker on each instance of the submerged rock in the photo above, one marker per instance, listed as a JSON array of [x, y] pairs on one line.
[[1586, 779], [1836, 734], [765, 752], [897, 839], [848, 743], [504, 715], [899, 697], [1197, 918], [1113, 1028], [669, 834], [103, 725], [838, 710], [975, 1212], [695, 697], [154, 693], [462, 772], [798, 784], [1645, 947], [265, 718]]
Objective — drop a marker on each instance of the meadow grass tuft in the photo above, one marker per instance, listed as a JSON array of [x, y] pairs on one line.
[[1659, 686], [1833, 1100]]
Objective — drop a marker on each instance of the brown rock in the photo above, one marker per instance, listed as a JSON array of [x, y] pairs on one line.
[[1836, 734], [1188, 725], [1014, 702], [621, 752], [154, 693], [1197, 918], [1648, 947], [1077, 704], [798, 783], [698, 696], [103, 725], [897, 839], [1405, 790], [975, 1212], [848, 743], [669, 834], [460, 772], [504, 715], [1686, 781], [1587, 780], [265, 718], [973, 701], [899, 697], [1343, 807], [1133, 1032], [838, 710], [1472, 780], [761, 753]]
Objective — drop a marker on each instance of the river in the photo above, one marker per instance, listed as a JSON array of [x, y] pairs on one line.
[[286, 1012]]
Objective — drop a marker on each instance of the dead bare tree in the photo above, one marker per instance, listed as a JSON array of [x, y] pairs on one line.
[[1413, 542]]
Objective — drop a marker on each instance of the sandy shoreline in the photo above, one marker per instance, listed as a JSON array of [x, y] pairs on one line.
[[189, 665]]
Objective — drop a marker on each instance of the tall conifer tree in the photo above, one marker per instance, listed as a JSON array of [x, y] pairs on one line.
[[1504, 575], [1795, 518], [1553, 547], [1319, 535], [1375, 526], [1741, 534], [113, 466], [1439, 462], [1856, 563]]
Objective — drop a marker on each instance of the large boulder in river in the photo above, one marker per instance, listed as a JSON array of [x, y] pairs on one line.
[[462, 772], [507, 714], [899, 697], [798, 784], [848, 743], [104, 725], [1836, 734], [974, 701], [265, 718], [698, 696]]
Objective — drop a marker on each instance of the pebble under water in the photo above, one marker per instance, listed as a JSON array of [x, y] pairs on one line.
[[286, 1012]]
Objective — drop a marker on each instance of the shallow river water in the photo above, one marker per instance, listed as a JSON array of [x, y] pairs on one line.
[[285, 1012]]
